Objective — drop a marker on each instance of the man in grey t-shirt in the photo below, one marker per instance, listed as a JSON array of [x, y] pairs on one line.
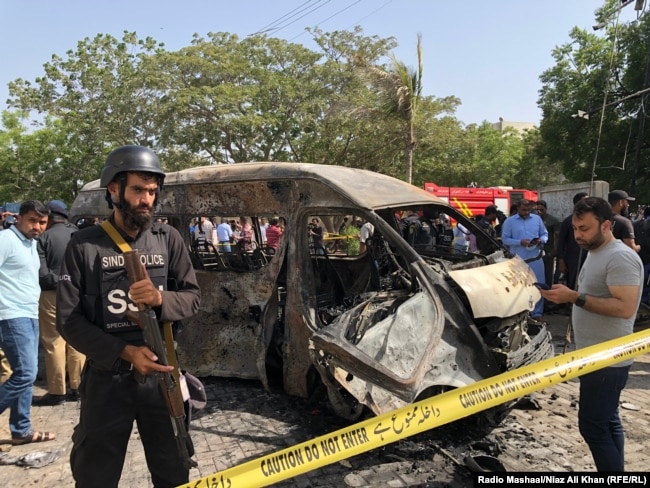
[[605, 305]]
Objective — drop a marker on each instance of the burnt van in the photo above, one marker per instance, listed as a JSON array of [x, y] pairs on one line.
[[365, 291]]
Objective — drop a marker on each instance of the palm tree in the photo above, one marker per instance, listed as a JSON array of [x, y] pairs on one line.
[[400, 91]]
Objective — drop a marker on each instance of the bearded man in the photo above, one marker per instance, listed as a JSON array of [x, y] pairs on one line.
[[622, 226], [93, 297], [604, 308]]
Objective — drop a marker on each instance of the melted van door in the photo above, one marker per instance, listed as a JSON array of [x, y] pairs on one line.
[[406, 347]]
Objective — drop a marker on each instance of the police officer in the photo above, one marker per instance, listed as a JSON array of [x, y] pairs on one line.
[[93, 297], [420, 232], [59, 356], [445, 235]]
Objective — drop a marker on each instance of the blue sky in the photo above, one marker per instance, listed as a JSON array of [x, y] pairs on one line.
[[488, 53]]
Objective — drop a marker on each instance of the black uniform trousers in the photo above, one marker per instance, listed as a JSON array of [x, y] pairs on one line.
[[110, 402]]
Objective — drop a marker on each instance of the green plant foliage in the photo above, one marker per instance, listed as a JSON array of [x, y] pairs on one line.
[[48, 163], [591, 104], [348, 102]]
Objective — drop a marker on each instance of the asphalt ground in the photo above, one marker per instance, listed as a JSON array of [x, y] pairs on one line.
[[242, 421]]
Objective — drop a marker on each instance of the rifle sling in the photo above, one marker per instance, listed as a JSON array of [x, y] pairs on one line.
[[167, 326]]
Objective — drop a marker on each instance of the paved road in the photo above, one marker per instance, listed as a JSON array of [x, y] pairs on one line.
[[243, 421]]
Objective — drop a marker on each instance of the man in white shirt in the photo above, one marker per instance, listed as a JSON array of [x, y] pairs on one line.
[[224, 236], [264, 224], [366, 232], [204, 229]]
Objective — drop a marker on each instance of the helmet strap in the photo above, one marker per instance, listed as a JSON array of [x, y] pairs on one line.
[[121, 181]]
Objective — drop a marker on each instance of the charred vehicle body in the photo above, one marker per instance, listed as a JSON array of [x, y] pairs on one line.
[[399, 317]]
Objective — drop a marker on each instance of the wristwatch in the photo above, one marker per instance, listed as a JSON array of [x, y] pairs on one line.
[[581, 300]]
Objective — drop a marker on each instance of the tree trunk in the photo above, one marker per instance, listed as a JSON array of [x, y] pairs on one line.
[[409, 149]]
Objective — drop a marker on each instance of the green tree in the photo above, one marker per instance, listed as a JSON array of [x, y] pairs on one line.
[[219, 100], [346, 135], [536, 169], [590, 102], [231, 100], [105, 92], [224, 100], [399, 90], [440, 139], [43, 164]]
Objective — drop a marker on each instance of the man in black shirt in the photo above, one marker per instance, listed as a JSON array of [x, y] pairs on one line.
[[569, 254], [59, 356], [316, 234], [93, 297], [622, 227], [486, 222], [642, 238]]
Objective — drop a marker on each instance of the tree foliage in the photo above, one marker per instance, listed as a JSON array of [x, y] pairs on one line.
[[101, 95], [44, 164], [399, 91], [107, 90], [265, 99], [483, 155], [225, 100], [590, 110]]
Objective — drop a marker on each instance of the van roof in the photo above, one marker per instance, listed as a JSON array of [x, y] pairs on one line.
[[366, 188]]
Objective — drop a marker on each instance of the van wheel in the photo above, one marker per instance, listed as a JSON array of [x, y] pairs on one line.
[[432, 391], [480, 423], [344, 404]]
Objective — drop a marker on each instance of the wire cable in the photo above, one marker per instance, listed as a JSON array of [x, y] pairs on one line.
[[371, 13], [328, 18], [602, 111], [282, 27], [270, 26]]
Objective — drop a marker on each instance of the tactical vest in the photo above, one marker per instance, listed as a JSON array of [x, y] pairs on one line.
[[445, 235], [115, 284], [425, 234]]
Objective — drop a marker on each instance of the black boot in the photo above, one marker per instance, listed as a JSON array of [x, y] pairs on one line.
[[72, 396], [48, 400]]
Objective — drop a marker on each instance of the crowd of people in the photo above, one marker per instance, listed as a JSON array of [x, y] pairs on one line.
[[246, 234], [562, 256], [237, 233]]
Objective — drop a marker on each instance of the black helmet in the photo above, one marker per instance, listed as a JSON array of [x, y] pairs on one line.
[[130, 158]]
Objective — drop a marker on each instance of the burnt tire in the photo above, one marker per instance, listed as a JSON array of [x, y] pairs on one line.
[[344, 405], [479, 424]]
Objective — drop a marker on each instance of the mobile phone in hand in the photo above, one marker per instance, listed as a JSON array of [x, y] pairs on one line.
[[542, 286]]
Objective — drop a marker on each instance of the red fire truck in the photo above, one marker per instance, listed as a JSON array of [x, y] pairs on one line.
[[472, 201]]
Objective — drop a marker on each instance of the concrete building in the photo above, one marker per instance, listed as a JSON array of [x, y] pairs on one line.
[[502, 124]]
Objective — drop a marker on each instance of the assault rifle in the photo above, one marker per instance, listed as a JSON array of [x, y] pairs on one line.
[[146, 319]]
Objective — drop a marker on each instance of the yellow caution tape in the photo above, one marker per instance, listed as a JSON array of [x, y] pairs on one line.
[[424, 415], [339, 237]]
